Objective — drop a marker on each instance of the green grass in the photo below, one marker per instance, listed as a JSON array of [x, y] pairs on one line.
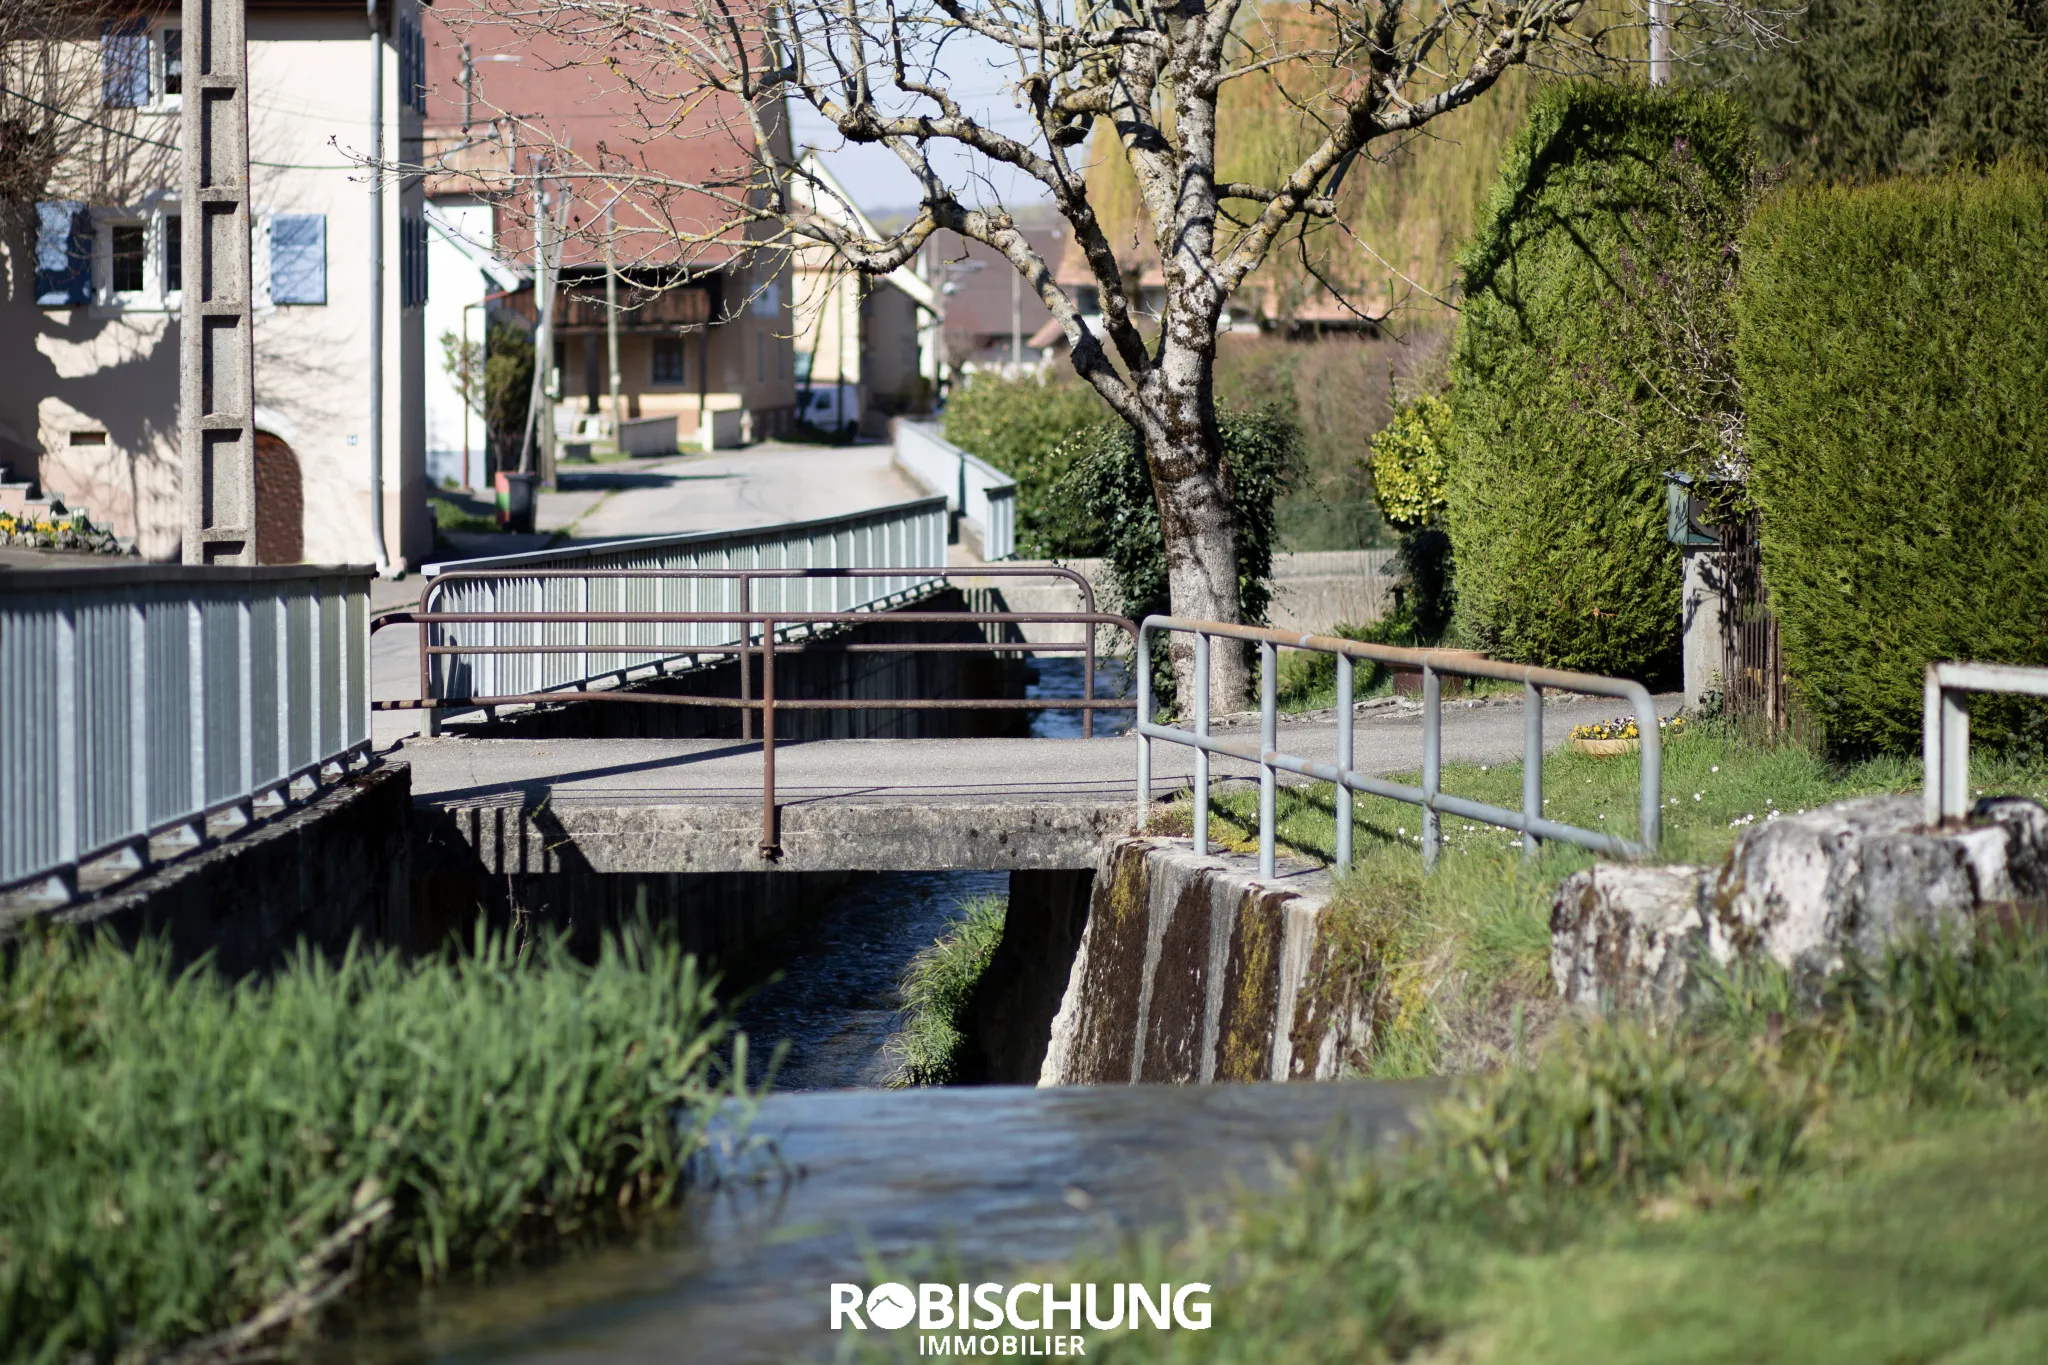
[[936, 988], [1865, 1182], [1463, 952], [450, 515], [184, 1152]]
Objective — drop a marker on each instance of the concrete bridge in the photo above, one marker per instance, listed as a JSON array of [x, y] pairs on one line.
[[694, 806]]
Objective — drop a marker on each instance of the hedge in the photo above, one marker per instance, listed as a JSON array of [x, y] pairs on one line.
[[1020, 426], [1575, 382], [1893, 347]]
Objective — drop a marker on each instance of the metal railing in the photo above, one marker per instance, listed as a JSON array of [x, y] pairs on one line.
[[765, 634], [615, 591], [977, 490], [1945, 727], [144, 703], [1430, 796]]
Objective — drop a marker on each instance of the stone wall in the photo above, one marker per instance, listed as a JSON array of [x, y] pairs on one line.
[[1192, 970]]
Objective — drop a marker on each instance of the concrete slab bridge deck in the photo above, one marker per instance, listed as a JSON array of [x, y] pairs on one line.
[[692, 806]]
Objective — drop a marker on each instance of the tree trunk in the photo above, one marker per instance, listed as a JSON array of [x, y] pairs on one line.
[[1200, 532]]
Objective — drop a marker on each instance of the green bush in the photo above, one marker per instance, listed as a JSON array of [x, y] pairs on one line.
[[181, 1151], [1409, 466], [508, 391], [1893, 342], [1103, 505], [1021, 426], [1590, 359]]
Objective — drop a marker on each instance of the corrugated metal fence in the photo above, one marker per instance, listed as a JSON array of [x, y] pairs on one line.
[[909, 535], [980, 492], [138, 700]]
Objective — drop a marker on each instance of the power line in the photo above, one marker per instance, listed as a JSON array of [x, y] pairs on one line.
[[159, 142]]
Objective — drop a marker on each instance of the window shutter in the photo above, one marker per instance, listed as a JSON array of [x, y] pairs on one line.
[[298, 258], [124, 64], [63, 254]]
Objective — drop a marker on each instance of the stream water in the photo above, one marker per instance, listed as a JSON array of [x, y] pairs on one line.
[[835, 1176]]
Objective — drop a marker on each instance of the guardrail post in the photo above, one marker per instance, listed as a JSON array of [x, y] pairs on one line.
[[1343, 762], [746, 657], [1144, 719], [1269, 740], [771, 823], [1532, 766], [1955, 754], [1432, 762], [1201, 754]]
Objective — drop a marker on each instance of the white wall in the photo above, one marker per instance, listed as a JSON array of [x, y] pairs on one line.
[[455, 280]]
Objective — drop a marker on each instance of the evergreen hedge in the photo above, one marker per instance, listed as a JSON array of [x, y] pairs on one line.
[[1585, 368], [1893, 346]]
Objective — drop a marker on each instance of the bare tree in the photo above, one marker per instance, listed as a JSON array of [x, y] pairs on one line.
[[1138, 79], [64, 133]]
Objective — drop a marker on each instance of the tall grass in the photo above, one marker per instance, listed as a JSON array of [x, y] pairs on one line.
[[184, 1153], [936, 988]]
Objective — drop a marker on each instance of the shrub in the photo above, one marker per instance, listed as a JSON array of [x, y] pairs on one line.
[[182, 1151], [508, 391], [1022, 426], [1103, 502], [1408, 464], [1892, 344], [1588, 362]]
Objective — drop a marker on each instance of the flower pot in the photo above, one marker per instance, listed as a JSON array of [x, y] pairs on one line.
[[1605, 748]]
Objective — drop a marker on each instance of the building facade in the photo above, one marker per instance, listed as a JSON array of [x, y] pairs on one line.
[[89, 325]]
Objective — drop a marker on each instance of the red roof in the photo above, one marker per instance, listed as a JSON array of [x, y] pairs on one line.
[[551, 95]]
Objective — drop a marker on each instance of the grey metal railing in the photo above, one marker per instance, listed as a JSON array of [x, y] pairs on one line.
[[982, 494], [502, 658], [1945, 727], [1430, 796], [140, 703]]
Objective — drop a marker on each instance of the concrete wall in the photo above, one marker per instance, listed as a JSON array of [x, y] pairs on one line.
[[1190, 970], [339, 868]]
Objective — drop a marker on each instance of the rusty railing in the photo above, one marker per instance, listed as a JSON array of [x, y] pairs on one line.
[[765, 634]]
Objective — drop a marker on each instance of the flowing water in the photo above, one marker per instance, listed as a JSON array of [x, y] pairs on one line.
[[834, 1177]]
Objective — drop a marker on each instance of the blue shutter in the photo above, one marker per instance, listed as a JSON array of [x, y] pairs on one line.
[[419, 65], [63, 254], [298, 258], [124, 64]]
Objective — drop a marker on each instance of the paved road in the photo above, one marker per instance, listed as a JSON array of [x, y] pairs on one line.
[[647, 772]]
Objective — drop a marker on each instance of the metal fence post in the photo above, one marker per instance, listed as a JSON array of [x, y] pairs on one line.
[[1432, 763], [771, 831], [1144, 719], [1930, 748], [1269, 740], [1532, 765], [1343, 762], [1201, 754], [1955, 754]]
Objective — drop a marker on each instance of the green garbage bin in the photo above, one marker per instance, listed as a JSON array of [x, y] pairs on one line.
[[517, 495]]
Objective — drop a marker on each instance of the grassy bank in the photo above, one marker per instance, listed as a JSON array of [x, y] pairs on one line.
[[1864, 1182], [936, 988], [1461, 957], [188, 1157]]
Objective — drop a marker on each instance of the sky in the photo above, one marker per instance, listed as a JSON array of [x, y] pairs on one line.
[[978, 72]]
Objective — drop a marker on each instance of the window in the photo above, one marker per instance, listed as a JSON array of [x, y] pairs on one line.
[[171, 44], [174, 253], [124, 64], [412, 262], [64, 232], [412, 64], [298, 258], [668, 360], [127, 258]]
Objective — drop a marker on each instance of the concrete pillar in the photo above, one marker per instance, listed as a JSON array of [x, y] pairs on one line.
[[216, 367], [1706, 668]]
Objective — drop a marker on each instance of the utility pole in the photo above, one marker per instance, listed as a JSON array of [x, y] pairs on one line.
[[1660, 42], [216, 364], [376, 288], [611, 323], [468, 91]]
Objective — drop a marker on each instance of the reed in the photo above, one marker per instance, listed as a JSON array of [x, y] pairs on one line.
[[936, 988], [192, 1157]]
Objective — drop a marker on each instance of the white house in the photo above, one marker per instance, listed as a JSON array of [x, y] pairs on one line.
[[89, 322]]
